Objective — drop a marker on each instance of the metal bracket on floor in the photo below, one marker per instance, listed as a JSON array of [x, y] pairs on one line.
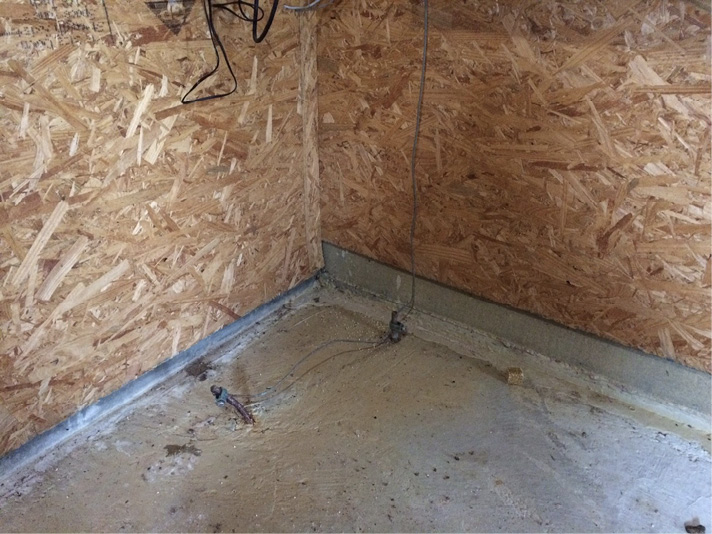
[[396, 329], [222, 397]]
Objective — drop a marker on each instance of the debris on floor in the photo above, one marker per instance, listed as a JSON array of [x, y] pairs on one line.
[[694, 527], [515, 376], [199, 369], [174, 450]]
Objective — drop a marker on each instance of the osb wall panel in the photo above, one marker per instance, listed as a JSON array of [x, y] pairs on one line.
[[132, 226], [564, 164]]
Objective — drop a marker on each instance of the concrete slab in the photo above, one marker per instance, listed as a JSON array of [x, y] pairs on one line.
[[631, 371], [424, 435]]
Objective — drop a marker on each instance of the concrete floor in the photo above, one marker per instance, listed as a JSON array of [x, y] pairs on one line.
[[425, 435]]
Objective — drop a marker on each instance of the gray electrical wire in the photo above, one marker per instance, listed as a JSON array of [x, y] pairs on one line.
[[274, 391], [416, 135], [418, 116], [313, 5]]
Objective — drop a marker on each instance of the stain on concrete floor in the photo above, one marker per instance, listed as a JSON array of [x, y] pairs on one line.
[[409, 437]]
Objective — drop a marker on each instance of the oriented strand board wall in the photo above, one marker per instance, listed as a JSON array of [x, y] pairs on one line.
[[132, 226], [564, 165]]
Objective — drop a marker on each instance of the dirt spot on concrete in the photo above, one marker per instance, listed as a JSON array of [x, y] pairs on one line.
[[199, 369], [175, 450]]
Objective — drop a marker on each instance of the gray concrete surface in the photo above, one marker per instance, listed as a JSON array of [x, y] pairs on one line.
[[425, 435], [228, 338], [639, 374]]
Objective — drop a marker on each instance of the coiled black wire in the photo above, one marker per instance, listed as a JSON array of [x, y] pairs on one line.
[[244, 8]]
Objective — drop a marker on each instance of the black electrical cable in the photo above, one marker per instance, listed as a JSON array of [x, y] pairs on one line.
[[241, 6], [217, 44], [257, 15], [258, 38]]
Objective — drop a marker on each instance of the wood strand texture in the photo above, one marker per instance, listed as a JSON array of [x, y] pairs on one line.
[[131, 226], [564, 162]]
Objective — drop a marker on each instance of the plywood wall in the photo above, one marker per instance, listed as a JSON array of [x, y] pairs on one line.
[[564, 165], [132, 226]]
